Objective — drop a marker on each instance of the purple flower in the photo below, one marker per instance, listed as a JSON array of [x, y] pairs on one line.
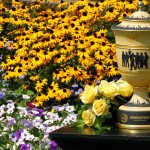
[[98, 82], [18, 134], [5, 84], [53, 145], [22, 77], [75, 85], [27, 124], [12, 135], [56, 108], [10, 122], [41, 111], [80, 90], [36, 111], [24, 147], [72, 91], [1, 57], [77, 93], [9, 101], [2, 94]]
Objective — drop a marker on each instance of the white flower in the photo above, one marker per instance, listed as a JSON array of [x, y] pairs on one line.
[[1, 118], [9, 118], [61, 108], [10, 105], [70, 108], [14, 147], [39, 125], [2, 106], [8, 45], [6, 129], [10, 111], [25, 96], [48, 122], [25, 134], [72, 117], [30, 137], [1, 111], [53, 116], [52, 128], [23, 112], [20, 141], [46, 136], [66, 121], [35, 112], [37, 119]]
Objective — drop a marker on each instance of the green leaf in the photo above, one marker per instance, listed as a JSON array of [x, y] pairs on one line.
[[22, 104], [98, 123], [29, 92], [79, 123], [18, 92]]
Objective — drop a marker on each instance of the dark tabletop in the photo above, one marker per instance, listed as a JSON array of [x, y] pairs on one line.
[[73, 138]]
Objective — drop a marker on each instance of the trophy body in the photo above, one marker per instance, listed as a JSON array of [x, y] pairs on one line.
[[133, 57]]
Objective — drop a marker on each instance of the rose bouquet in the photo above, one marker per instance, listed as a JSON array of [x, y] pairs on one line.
[[100, 103]]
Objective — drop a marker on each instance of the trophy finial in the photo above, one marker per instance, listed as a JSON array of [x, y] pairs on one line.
[[140, 5]]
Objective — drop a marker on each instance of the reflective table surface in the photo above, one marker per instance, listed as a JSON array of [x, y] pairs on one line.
[[73, 138]]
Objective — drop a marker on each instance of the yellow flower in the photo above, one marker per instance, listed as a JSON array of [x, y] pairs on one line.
[[100, 107], [63, 93], [125, 89], [52, 110], [88, 117], [1, 28], [102, 85], [1, 44], [89, 94], [33, 78], [109, 90]]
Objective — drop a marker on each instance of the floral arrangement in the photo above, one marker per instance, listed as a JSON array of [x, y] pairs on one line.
[[100, 103], [46, 46]]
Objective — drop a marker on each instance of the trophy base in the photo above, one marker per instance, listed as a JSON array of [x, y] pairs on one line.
[[135, 114], [134, 131], [135, 127]]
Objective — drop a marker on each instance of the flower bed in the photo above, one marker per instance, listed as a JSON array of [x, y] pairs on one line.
[[50, 54], [29, 128]]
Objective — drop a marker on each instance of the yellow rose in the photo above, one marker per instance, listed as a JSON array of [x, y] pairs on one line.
[[125, 89], [100, 107], [88, 117], [109, 90], [102, 85], [89, 94]]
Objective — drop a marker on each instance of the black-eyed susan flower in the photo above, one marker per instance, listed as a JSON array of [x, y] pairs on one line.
[[62, 45]]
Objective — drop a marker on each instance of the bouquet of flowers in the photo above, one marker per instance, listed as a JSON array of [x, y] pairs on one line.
[[100, 103]]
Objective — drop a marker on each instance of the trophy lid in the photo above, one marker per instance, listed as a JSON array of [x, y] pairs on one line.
[[139, 20]]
